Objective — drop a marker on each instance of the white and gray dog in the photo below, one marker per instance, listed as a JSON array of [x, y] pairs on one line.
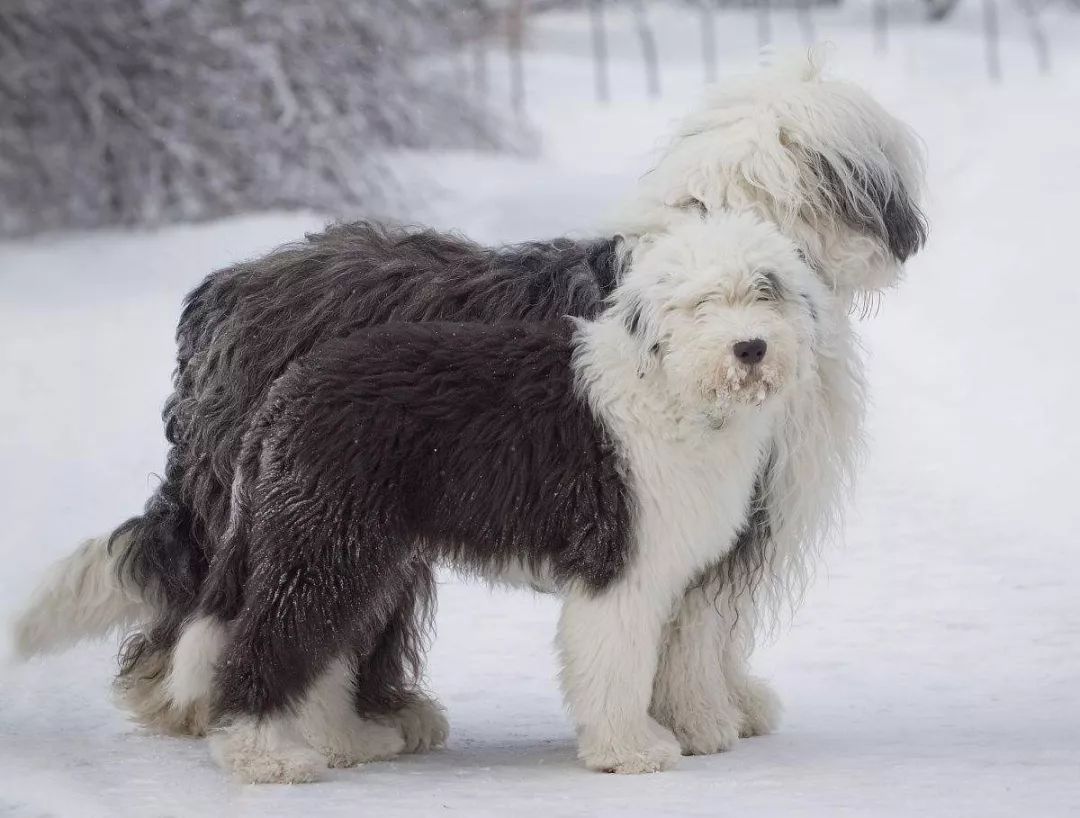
[[816, 162]]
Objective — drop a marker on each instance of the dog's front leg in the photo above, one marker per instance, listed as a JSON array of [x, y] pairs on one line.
[[609, 644], [691, 695], [704, 691]]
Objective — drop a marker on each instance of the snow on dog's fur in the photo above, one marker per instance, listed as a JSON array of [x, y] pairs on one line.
[[614, 458]]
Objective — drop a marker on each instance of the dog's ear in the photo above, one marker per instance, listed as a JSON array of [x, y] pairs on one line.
[[905, 224], [605, 261], [872, 199], [641, 329]]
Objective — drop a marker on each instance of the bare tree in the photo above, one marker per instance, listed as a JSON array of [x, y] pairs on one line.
[[804, 14], [127, 112], [515, 43], [881, 26], [708, 39], [1039, 41], [992, 37], [599, 44], [764, 23], [649, 54], [938, 10]]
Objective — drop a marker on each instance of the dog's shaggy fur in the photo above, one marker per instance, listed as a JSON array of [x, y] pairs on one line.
[[819, 158], [613, 459], [839, 177], [233, 342]]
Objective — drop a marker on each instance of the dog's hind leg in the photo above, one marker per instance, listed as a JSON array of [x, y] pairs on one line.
[[329, 722], [172, 688], [389, 676], [275, 749], [281, 686]]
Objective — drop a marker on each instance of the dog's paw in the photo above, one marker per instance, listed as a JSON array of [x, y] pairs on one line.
[[357, 741], [759, 706], [656, 749], [295, 766], [705, 721], [708, 733], [265, 753], [422, 723]]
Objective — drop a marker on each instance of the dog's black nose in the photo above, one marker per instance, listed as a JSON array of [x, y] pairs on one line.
[[750, 352]]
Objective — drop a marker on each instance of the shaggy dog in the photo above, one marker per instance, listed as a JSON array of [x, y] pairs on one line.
[[613, 460], [819, 159]]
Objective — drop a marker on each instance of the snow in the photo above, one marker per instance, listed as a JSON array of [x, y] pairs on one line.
[[933, 669]]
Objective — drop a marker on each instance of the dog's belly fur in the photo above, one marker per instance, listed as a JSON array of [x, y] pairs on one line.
[[519, 575]]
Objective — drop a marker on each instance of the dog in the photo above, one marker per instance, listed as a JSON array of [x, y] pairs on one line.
[[820, 158], [612, 459], [859, 177]]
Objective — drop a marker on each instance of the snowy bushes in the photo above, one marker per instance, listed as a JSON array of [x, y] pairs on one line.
[[124, 112]]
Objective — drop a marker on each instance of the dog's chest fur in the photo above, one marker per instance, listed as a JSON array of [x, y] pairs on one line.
[[691, 498], [690, 479], [692, 495]]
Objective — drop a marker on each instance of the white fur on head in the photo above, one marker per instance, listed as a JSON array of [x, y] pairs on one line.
[[695, 291], [819, 158], [820, 395]]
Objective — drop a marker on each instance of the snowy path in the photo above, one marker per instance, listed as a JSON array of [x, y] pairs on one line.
[[934, 669]]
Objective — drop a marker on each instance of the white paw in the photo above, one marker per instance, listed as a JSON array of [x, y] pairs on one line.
[[355, 741], [760, 707], [265, 752], [707, 733], [653, 750], [422, 723], [705, 721]]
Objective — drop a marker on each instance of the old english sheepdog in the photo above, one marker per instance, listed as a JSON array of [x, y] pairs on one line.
[[613, 460], [820, 160]]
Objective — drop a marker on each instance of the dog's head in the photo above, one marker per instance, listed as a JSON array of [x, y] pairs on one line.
[[724, 306], [824, 161]]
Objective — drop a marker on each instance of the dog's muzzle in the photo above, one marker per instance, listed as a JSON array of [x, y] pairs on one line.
[[749, 376]]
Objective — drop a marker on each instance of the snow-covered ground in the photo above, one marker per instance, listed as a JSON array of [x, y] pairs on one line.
[[935, 667]]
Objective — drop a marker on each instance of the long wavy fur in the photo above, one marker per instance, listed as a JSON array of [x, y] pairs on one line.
[[243, 326], [819, 158]]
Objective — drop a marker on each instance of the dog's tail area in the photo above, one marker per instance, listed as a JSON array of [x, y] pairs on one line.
[[84, 596]]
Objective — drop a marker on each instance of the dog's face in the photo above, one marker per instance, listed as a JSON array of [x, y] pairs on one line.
[[724, 308]]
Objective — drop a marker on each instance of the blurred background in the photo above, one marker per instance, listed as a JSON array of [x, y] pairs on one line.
[[154, 112], [932, 670]]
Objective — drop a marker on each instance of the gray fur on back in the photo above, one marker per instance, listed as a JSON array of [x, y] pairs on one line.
[[244, 325]]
